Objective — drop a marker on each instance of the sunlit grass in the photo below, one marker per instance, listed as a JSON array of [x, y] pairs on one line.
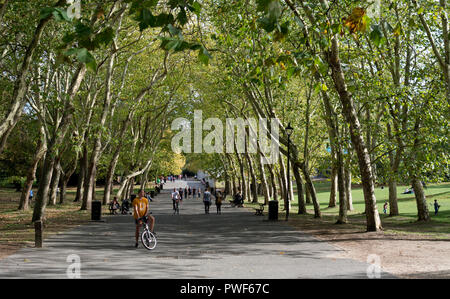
[[404, 223]]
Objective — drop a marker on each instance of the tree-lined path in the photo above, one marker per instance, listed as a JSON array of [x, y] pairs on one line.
[[236, 244]]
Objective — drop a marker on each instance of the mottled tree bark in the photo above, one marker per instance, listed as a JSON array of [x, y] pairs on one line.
[[31, 175], [300, 193], [349, 112]]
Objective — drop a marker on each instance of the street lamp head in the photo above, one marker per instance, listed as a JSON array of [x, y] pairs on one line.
[[289, 129]]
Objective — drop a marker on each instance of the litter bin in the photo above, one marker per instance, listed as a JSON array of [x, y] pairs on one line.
[[152, 193], [273, 210], [96, 210], [161, 186]]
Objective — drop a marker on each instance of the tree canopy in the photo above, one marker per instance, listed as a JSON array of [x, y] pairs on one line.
[[90, 88]]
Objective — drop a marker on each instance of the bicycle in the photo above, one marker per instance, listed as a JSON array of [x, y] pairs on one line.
[[148, 238]]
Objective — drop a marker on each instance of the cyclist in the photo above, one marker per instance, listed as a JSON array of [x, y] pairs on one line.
[[140, 209]]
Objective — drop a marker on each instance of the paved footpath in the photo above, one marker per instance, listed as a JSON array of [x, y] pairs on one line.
[[234, 245]]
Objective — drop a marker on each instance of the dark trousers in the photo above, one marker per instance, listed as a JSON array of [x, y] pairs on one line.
[[174, 203], [219, 208], [207, 204]]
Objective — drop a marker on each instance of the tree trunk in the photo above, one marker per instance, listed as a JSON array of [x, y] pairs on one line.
[[253, 185], [394, 162], [334, 187], [393, 202], [308, 195], [55, 183], [300, 194], [283, 183], [65, 179], [31, 175], [348, 189], [317, 213], [263, 179], [60, 133], [20, 86], [89, 182], [421, 201], [243, 180], [273, 184], [110, 178], [342, 219], [96, 151], [372, 216], [422, 208], [63, 192], [42, 195], [81, 175]]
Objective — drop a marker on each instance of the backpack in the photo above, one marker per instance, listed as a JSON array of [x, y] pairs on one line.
[[207, 196]]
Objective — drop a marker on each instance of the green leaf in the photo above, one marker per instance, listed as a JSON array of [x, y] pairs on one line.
[[267, 24], [182, 17], [46, 12], [83, 56], [262, 5], [376, 36], [146, 19], [83, 30], [60, 15], [174, 31], [104, 37], [204, 55], [196, 8]]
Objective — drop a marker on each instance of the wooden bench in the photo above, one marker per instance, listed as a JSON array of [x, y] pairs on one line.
[[259, 212]]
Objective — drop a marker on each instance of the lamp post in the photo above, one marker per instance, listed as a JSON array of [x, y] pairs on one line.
[[289, 131]]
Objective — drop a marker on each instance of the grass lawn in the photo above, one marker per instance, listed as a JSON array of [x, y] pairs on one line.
[[16, 229], [439, 226]]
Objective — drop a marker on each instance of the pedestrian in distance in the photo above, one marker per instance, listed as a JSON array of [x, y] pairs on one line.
[[436, 207], [219, 198], [31, 196], [175, 201], [207, 200]]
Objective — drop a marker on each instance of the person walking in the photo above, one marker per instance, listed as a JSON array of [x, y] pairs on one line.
[[219, 198], [31, 197], [199, 192], [385, 206], [436, 207], [175, 201], [180, 192], [207, 200]]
